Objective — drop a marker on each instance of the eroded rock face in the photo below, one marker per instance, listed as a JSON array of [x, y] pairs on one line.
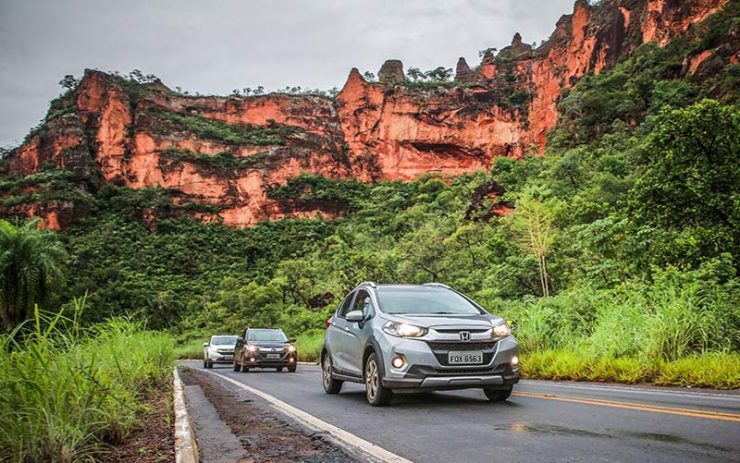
[[107, 131], [391, 72]]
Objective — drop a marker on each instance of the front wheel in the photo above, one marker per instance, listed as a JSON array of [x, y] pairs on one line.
[[331, 385], [237, 367], [279, 369], [291, 369], [498, 395], [377, 395]]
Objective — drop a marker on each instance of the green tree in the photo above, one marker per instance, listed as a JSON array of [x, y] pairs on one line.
[[687, 198], [532, 222], [31, 269]]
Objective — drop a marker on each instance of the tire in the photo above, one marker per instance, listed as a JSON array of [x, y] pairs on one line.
[[210, 364], [237, 367], [205, 363], [291, 369], [245, 369], [331, 385], [279, 368], [377, 395], [498, 395]]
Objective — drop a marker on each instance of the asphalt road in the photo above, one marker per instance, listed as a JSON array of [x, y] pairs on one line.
[[543, 421]]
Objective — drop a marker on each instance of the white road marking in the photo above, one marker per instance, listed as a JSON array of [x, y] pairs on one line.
[[345, 439]]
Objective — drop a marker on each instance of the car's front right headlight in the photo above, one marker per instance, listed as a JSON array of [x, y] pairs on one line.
[[501, 330], [404, 330]]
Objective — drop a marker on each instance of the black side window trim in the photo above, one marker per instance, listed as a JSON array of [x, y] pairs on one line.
[[351, 299]]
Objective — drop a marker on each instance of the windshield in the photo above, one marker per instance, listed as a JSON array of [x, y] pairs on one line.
[[266, 335], [424, 301], [223, 340]]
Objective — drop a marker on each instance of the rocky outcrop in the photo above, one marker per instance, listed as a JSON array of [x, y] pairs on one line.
[[463, 73], [391, 72], [219, 157]]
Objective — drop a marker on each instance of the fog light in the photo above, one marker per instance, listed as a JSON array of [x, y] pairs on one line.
[[515, 360], [398, 361], [251, 360], [291, 360]]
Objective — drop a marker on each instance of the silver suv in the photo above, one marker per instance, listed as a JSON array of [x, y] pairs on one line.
[[417, 338]]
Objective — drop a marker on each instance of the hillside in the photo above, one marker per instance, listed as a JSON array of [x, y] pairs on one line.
[[586, 190], [221, 158]]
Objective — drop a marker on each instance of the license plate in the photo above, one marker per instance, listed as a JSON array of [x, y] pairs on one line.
[[228, 357], [464, 358], [273, 356]]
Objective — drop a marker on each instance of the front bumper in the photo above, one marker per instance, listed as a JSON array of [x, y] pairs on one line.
[[426, 367], [219, 357], [260, 360]]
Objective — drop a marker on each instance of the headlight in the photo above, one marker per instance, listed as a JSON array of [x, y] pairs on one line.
[[404, 330], [291, 348], [252, 348], [501, 330]]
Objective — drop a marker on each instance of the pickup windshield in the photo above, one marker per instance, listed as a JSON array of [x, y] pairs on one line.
[[266, 335], [424, 301]]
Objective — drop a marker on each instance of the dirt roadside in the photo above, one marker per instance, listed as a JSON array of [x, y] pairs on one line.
[[265, 435], [152, 441]]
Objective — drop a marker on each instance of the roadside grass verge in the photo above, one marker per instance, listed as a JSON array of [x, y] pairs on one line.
[[309, 345], [69, 392], [716, 370], [190, 350]]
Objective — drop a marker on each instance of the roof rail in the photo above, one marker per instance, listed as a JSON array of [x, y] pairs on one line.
[[441, 285], [369, 283]]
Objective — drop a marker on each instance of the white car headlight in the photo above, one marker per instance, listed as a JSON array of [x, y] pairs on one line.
[[501, 330], [291, 348], [404, 330], [252, 348]]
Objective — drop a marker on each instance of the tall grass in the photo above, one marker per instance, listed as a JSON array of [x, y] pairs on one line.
[[68, 391], [309, 345], [680, 330]]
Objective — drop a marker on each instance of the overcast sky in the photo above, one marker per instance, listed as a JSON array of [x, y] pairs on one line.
[[213, 47]]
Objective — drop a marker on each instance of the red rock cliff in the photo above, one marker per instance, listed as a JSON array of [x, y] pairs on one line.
[[109, 130]]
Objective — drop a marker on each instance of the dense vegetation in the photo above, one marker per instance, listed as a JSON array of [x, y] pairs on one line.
[[619, 261], [70, 391]]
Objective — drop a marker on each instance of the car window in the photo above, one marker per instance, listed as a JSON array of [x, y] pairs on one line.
[[223, 340], [363, 303], [346, 304], [424, 301], [266, 335]]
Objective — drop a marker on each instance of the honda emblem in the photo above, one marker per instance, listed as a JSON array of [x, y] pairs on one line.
[[465, 335]]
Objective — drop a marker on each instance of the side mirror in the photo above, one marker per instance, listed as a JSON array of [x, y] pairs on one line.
[[205, 344], [291, 340], [355, 316]]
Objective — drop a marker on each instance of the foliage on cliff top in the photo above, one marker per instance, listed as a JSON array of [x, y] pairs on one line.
[[211, 129]]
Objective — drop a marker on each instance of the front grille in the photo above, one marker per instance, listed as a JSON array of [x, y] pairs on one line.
[[458, 330], [477, 345]]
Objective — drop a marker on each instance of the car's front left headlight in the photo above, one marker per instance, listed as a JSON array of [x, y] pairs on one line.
[[501, 329], [291, 348], [404, 330]]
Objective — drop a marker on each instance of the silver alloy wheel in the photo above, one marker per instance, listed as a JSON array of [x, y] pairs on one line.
[[371, 380], [326, 371]]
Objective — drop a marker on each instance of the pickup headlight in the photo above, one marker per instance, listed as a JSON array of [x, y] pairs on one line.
[[252, 348], [404, 330], [291, 348], [501, 330]]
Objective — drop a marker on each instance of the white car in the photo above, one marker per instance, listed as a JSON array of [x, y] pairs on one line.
[[220, 349]]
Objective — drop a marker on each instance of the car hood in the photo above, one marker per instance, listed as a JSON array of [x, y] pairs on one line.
[[268, 344], [437, 321]]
